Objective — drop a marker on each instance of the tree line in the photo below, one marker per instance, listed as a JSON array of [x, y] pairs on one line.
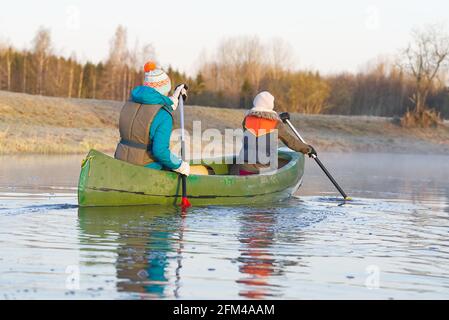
[[40, 71], [416, 79], [239, 68]]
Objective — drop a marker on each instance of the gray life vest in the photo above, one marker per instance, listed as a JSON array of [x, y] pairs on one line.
[[134, 126]]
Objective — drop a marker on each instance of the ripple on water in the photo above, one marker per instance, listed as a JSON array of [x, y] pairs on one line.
[[312, 243]]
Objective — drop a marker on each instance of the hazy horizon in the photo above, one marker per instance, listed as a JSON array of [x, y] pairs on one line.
[[325, 35]]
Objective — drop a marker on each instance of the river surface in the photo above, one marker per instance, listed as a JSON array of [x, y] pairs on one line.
[[391, 242]]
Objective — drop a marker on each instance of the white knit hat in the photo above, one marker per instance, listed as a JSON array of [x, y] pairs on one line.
[[156, 78], [264, 102]]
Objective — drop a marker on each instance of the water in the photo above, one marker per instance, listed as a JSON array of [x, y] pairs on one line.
[[391, 242]]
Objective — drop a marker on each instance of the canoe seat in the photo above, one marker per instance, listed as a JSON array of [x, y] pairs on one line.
[[201, 170]]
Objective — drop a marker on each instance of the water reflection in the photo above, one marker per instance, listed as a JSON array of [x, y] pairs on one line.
[[258, 264], [148, 246], [149, 240]]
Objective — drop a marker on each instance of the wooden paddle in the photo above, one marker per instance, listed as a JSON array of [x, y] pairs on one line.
[[285, 117]]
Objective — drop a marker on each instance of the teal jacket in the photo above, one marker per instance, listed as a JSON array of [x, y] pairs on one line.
[[160, 129]]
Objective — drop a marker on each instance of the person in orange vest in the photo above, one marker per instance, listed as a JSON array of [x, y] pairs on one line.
[[262, 130]]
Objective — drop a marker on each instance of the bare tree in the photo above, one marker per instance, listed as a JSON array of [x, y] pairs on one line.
[[80, 82], [115, 65], [280, 57], [94, 84], [25, 72], [140, 55], [8, 68], [239, 65], [136, 59], [423, 59], [41, 50], [72, 65], [6, 52]]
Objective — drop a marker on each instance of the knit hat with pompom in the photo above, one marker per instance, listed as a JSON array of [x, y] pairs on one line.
[[156, 78]]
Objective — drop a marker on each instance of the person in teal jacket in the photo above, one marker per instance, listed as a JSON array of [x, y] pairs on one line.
[[154, 92]]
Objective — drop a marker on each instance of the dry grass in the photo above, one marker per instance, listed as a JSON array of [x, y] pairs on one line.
[[27, 109], [32, 124], [35, 124], [54, 140], [421, 119]]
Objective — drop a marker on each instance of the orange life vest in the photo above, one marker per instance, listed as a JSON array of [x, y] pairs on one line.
[[260, 126], [259, 139]]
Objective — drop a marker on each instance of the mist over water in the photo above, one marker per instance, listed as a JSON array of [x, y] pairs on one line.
[[391, 242]]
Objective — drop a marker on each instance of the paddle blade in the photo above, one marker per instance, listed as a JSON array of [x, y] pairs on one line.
[[185, 203]]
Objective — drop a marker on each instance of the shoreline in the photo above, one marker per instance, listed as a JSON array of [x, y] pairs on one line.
[[46, 125]]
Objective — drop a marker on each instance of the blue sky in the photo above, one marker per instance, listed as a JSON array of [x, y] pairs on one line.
[[330, 36]]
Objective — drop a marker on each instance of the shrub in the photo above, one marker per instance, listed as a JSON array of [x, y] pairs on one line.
[[424, 119]]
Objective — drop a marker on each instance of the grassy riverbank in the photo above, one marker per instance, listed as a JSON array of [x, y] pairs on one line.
[[34, 124]]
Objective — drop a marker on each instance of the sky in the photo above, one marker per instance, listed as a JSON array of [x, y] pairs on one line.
[[330, 36]]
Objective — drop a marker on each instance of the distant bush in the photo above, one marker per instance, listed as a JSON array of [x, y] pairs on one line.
[[426, 118]]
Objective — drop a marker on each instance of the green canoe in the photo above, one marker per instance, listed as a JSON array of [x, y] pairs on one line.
[[105, 181]]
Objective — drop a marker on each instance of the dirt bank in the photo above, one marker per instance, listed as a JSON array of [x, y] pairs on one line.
[[34, 124]]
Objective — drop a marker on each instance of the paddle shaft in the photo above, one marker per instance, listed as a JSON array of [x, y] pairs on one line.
[[183, 146], [318, 161]]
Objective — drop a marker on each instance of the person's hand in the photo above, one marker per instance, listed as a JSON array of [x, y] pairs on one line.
[[179, 90], [312, 152], [284, 116], [183, 169]]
